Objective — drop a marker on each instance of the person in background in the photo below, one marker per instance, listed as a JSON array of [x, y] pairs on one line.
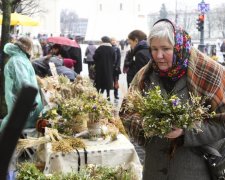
[[41, 65], [18, 71], [104, 58], [140, 53], [76, 54], [116, 67], [122, 44], [44, 45], [127, 61], [89, 52], [222, 49], [36, 50], [178, 68], [42, 68], [63, 70]]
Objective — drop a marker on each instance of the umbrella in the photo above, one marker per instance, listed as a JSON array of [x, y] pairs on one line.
[[63, 41], [23, 20]]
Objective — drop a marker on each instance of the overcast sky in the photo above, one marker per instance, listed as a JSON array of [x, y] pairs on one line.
[[83, 7]]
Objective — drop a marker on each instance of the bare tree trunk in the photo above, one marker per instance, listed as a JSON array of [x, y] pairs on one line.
[[6, 5]]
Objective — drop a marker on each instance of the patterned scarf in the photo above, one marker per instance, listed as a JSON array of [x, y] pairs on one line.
[[180, 57]]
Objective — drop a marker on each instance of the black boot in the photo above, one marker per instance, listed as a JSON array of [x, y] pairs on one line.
[[108, 94], [116, 93]]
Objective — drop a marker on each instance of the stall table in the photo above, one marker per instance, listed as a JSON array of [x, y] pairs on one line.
[[100, 152]]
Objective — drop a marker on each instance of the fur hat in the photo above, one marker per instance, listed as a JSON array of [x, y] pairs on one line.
[[25, 44]]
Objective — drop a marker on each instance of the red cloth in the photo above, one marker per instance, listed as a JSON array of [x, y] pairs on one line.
[[69, 62]]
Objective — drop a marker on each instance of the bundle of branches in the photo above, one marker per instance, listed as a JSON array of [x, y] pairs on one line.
[[60, 143]]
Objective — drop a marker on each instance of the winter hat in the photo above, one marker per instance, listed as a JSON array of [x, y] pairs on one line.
[[25, 44], [68, 62]]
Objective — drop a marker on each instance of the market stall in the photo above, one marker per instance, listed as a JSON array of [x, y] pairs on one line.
[[79, 128]]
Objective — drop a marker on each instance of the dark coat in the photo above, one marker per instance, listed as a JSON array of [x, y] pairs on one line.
[[140, 57], [104, 58], [117, 62], [75, 54]]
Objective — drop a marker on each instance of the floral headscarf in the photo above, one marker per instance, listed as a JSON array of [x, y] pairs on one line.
[[180, 57]]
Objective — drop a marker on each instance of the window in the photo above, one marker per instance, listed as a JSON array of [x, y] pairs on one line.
[[100, 7]]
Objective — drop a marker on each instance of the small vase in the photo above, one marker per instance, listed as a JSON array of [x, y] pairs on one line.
[[94, 130]]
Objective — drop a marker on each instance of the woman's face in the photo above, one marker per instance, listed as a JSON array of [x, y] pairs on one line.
[[162, 53], [132, 43]]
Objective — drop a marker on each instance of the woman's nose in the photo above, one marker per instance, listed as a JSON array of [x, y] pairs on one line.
[[159, 54]]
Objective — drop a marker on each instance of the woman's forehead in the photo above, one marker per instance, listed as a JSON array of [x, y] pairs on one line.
[[160, 41]]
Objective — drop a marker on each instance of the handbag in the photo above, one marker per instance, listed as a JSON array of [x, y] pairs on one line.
[[215, 159], [85, 60]]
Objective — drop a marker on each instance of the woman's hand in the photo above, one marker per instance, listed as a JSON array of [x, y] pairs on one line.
[[175, 133]]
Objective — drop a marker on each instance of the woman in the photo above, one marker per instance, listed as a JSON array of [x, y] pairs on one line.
[[179, 69], [104, 58], [116, 67], [140, 53], [89, 52], [19, 71]]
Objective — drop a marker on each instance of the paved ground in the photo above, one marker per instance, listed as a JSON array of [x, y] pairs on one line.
[[122, 92]]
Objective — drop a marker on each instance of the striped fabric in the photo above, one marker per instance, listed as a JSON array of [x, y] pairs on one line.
[[207, 78]]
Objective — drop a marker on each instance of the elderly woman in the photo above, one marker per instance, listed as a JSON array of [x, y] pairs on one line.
[[19, 71], [177, 68]]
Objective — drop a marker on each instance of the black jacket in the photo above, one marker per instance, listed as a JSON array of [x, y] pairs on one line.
[[104, 58], [140, 57]]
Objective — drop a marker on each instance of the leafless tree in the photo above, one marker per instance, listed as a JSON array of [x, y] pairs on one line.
[[68, 20], [6, 5], [220, 19], [26, 7]]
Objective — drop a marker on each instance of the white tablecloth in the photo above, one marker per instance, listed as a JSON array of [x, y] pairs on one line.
[[101, 152]]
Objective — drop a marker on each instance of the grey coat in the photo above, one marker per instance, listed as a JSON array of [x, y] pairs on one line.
[[89, 52], [186, 163]]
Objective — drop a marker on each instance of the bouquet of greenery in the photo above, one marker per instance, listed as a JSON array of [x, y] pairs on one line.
[[160, 115], [97, 107]]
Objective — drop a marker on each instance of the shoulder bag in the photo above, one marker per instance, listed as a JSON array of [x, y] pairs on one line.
[[215, 159]]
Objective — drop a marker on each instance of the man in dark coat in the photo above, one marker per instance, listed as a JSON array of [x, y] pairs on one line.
[[104, 59]]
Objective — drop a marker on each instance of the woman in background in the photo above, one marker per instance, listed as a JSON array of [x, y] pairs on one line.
[[19, 71], [89, 52], [140, 53]]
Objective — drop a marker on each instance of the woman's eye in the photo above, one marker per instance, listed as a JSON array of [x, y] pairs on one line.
[[166, 49]]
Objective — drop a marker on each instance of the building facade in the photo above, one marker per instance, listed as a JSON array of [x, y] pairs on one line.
[[115, 18]]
